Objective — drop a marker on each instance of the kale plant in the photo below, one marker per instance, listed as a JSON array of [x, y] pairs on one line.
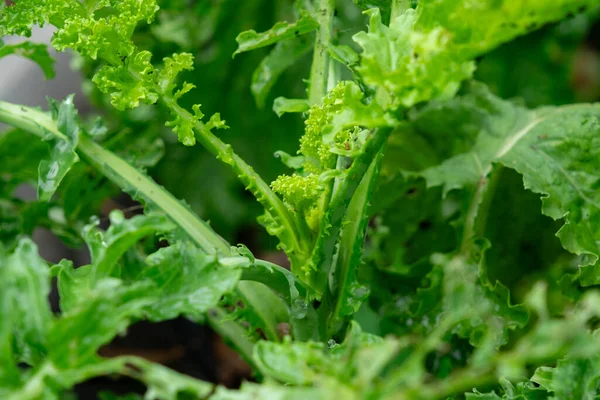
[[422, 264]]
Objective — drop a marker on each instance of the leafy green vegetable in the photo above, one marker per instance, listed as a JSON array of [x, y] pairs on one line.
[[190, 282], [547, 146], [421, 263]]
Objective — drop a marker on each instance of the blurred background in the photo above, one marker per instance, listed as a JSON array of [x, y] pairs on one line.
[[557, 64]]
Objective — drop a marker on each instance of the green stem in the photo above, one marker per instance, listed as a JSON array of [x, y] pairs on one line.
[[129, 178], [320, 63], [292, 237], [469, 229], [476, 217], [486, 202]]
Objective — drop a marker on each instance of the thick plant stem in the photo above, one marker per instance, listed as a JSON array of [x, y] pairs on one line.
[[320, 64]]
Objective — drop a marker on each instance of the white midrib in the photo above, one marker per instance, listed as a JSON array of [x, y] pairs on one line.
[[513, 140]]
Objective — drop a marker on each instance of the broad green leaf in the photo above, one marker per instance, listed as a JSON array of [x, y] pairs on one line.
[[51, 172], [409, 223], [526, 249], [372, 354], [171, 27], [190, 282], [554, 150], [492, 125], [574, 377], [250, 40], [36, 52], [458, 302], [284, 55], [72, 283], [543, 376]]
